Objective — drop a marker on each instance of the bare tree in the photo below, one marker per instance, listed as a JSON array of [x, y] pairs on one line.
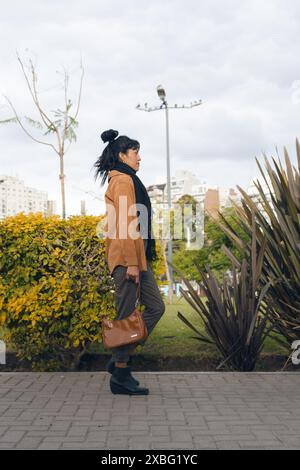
[[58, 122]]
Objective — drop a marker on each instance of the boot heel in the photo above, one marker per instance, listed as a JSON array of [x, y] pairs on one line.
[[115, 388], [121, 382], [110, 367], [127, 389]]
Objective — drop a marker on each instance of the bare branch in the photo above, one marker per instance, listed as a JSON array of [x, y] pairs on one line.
[[33, 91], [41, 111], [25, 130], [66, 81], [80, 90], [26, 77]]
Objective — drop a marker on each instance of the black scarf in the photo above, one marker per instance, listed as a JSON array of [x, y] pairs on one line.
[[142, 197]]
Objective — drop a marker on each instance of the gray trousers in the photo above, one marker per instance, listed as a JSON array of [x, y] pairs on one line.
[[125, 297]]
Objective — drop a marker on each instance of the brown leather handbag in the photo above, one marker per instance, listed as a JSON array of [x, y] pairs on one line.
[[130, 329]]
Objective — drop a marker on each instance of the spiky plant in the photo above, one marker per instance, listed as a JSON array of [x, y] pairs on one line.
[[277, 214], [235, 316]]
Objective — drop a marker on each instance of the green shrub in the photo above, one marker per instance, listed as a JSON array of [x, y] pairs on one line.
[[55, 287]]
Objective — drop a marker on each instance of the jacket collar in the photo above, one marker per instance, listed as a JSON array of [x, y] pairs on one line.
[[112, 173]]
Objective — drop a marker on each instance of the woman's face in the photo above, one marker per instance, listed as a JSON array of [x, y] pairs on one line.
[[132, 158]]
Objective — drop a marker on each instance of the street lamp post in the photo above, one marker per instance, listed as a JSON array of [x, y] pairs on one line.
[[162, 95]]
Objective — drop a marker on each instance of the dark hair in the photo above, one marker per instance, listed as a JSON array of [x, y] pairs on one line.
[[110, 155]]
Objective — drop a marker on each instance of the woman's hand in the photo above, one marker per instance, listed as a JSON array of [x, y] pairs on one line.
[[133, 273]]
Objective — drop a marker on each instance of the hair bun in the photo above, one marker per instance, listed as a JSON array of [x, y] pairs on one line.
[[109, 136]]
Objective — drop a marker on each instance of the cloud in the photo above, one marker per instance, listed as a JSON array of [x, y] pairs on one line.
[[241, 60]]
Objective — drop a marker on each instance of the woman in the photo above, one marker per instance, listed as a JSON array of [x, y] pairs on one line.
[[128, 256]]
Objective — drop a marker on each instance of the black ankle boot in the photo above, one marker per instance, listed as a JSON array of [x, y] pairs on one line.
[[110, 367], [121, 382]]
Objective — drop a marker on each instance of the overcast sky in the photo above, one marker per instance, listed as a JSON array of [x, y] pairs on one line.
[[242, 61]]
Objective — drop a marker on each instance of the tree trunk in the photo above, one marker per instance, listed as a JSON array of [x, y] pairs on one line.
[[62, 185]]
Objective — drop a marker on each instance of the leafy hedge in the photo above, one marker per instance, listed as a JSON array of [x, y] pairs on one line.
[[55, 287]]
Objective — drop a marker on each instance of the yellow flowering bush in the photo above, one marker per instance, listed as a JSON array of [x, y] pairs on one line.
[[55, 287]]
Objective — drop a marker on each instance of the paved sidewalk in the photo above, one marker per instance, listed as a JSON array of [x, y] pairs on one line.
[[191, 410]]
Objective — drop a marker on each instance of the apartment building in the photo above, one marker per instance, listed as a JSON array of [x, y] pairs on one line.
[[15, 197]]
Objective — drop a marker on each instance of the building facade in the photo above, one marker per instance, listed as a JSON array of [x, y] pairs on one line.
[[15, 197], [184, 182]]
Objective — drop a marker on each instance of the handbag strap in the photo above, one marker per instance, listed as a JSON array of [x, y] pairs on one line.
[[138, 294]]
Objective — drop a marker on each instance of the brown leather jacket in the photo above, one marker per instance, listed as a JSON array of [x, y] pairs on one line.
[[125, 251]]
